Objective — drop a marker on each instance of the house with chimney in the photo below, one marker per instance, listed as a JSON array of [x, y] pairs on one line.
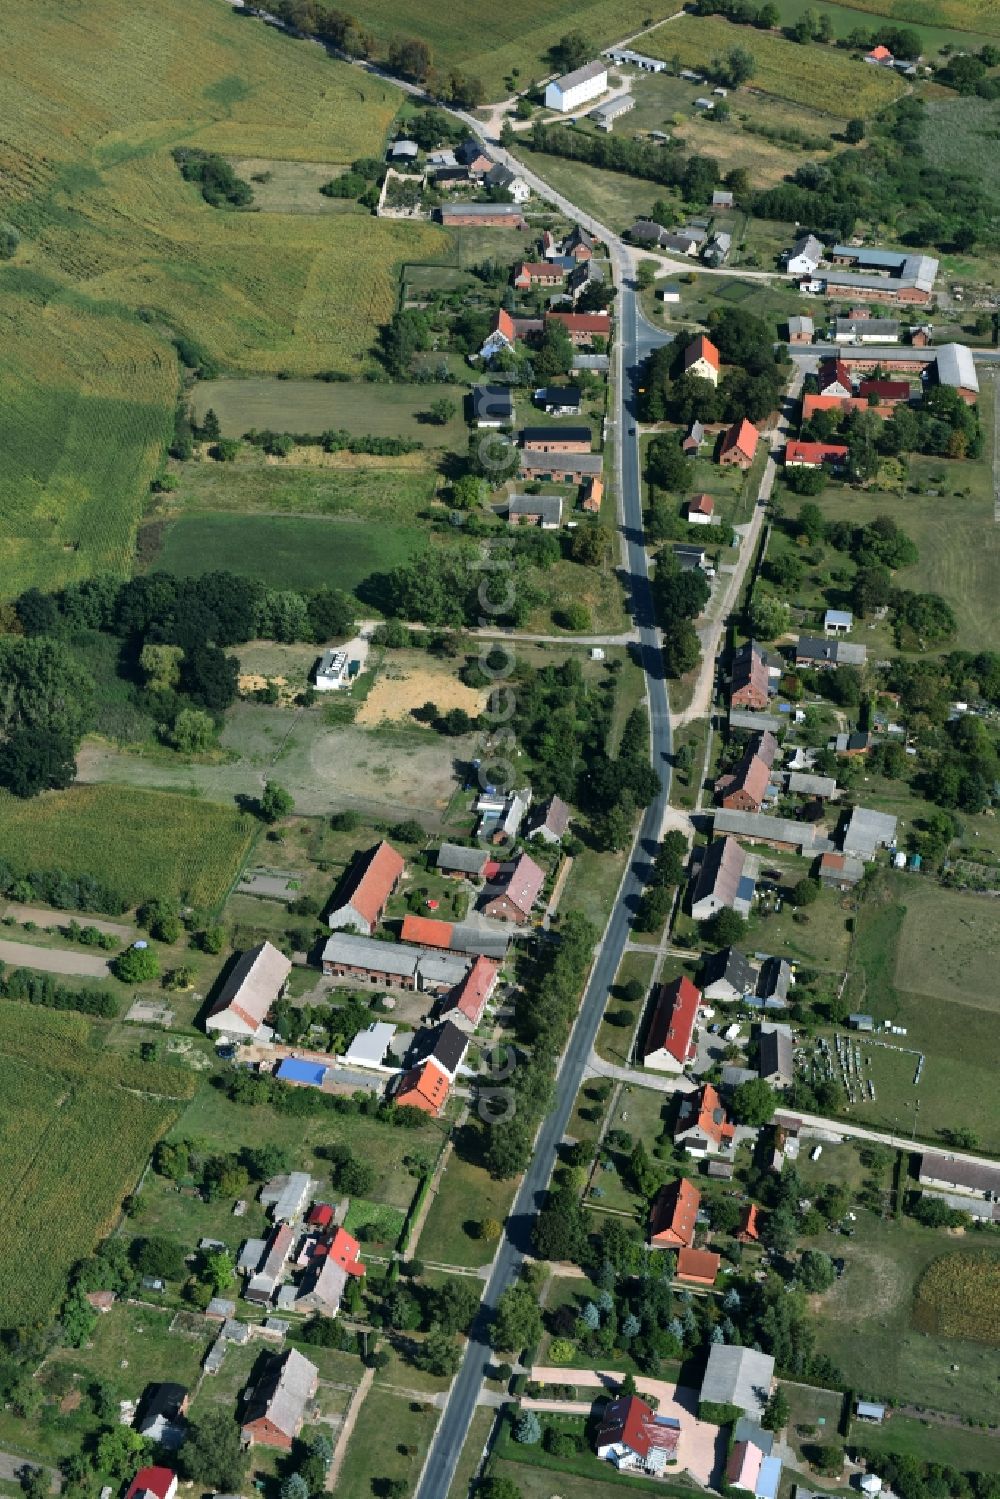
[[635, 1439], [702, 1126]]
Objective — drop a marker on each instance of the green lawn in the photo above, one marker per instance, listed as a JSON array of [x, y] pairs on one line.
[[313, 406], [807, 1408], [614, 1039], [952, 1023], [687, 783], [286, 551], [467, 1194], [957, 541], [613, 198], [932, 1442], [592, 884], [212, 1118], [821, 940], [389, 1441]]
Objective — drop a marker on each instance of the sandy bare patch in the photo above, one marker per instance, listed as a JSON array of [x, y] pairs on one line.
[[399, 689]]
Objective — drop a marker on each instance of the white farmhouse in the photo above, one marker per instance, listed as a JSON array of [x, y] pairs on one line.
[[574, 89]]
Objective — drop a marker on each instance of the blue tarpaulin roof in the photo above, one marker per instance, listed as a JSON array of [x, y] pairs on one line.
[[292, 1070]]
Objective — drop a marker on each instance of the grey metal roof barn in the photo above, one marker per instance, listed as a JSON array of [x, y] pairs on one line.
[[866, 831], [755, 825], [738, 1376], [283, 1393], [453, 857], [955, 366]]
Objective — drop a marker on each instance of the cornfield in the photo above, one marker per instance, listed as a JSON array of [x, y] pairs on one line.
[[959, 1297], [74, 1138], [137, 842]]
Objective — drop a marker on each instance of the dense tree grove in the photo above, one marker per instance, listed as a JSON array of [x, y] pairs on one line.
[[174, 634], [888, 175], [751, 385], [694, 177]]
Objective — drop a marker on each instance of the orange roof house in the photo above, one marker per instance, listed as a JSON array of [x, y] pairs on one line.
[[879, 54], [425, 1088], [538, 274], [345, 1251], [673, 1215], [593, 494], [700, 509], [698, 1267], [814, 454], [702, 1126], [426, 932], [813, 403], [364, 894], [701, 358], [749, 1229], [739, 444]]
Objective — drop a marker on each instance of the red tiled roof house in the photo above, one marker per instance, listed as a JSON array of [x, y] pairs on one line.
[[364, 894], [702, 1127], [634, 1438], [670, 1042], [701, 358], [517, 888], [673, 1215]]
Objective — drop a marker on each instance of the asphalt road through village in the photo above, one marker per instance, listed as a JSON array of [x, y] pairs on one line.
[[636, 338]]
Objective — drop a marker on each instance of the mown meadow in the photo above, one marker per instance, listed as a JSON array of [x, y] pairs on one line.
[[118, 254]]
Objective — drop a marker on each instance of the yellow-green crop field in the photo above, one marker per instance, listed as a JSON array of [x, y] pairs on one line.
[[95, 102], [959, 1297], [817, 76], [75, 1135], [517, 34], [962, 15], [138, 842]]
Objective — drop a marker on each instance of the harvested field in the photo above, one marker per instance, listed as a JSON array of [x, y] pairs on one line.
[[959, 1297], [405, 683]]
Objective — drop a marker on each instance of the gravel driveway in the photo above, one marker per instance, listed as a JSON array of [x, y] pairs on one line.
[[79, 965]]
